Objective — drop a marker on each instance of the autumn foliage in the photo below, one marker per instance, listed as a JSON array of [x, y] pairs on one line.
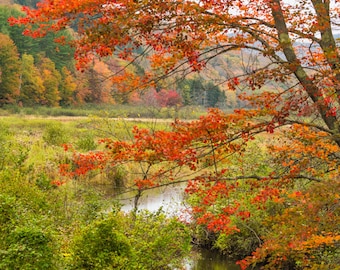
[[291, 196], [288, 197]]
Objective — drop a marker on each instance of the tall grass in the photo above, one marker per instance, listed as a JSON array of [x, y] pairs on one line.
[[114, 111]]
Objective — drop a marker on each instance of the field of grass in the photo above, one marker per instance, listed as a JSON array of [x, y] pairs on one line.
[[37, 134], [112, 111], [35, 144]]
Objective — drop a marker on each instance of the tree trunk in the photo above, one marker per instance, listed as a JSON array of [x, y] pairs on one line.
[[295, 66]]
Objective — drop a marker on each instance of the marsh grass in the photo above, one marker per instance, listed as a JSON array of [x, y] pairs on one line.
[[39, 141], [42, 139], [40, 211], [115, 111]]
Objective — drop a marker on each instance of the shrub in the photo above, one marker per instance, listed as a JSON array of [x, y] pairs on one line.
[[28, 248], [7, 213], [141, 240], [91, 206], [43, 181], [4, 154], [54, 134], [86, 142], [116, 175], [102, 245], [159, 242], [4, 131]]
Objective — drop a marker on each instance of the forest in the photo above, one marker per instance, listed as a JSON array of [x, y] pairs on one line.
[[258, 169], [39, 72]]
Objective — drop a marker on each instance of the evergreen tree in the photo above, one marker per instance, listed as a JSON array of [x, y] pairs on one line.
[[214, 95], [60, 55], [24, 44], [192, 91], [198, 92]]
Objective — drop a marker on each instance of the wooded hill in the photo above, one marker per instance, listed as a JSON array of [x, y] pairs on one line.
[[41, 72]]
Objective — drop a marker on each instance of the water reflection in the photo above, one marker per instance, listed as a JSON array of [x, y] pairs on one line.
[[169, 198], [209, 260]]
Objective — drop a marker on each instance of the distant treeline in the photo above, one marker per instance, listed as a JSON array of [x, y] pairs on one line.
[[41, 72]]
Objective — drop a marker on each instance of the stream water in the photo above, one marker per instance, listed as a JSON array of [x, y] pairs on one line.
[[170, 199]]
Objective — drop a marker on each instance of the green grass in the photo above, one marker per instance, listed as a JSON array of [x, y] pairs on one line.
[[42, 138], [113, 111]]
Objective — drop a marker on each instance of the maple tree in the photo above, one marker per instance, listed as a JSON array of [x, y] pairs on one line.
[[299, 51], [196, 32], [233, 189], [168, 98], [98, 84]]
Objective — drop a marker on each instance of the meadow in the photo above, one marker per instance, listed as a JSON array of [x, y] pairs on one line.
[[48, 221]]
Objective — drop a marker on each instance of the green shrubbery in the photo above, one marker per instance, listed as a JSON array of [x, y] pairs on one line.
[[54, 134], [65, 228], [102, 245], [127, 241], [86, 142], [26, 234], [47, 223], [159, 242], [28, 247]]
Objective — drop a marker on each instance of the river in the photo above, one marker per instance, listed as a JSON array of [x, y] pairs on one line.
[[170, 199]]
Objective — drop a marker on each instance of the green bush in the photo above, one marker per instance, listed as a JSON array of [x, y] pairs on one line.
[[131, 241], [7, 214], [102, 245], [54, 134], [25, 242], [28, 248], [4, 131], [43, 181], [86, 142], [4, 154], [242, 243], [91, 206], [116, 175], [13, 156], [159, 242]]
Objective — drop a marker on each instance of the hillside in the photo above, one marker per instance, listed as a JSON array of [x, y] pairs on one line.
[[67, 86]]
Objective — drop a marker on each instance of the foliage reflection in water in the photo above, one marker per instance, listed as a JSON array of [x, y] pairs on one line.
[[209, 260]]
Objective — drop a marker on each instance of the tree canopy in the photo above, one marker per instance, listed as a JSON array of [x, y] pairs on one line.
[[9, 78], [297, 39], [285, 192]]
